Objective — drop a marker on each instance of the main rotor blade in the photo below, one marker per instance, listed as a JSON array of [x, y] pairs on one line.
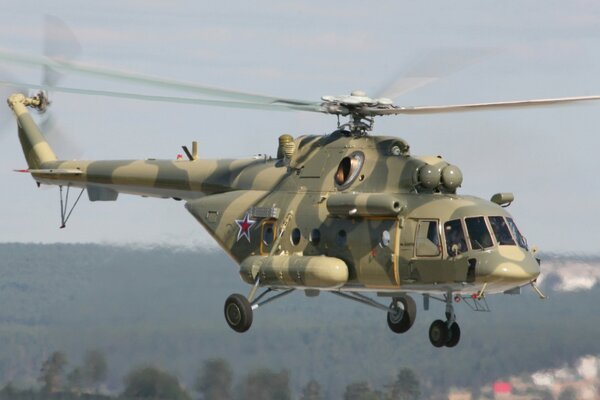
[[314, 107], [69, 66], [477, 106], [431, 67]]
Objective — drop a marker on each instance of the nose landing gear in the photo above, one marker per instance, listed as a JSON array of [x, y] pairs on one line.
[[445, 333]]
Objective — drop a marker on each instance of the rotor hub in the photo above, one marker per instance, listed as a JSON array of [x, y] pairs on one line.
[[358, 107]]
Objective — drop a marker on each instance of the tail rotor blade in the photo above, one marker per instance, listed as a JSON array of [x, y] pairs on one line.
[[6, 90], [60, 44], [64, 145]]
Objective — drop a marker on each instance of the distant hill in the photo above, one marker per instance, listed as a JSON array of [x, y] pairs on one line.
[[164, 306]]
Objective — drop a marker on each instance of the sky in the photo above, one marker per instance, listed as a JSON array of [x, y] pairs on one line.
[[506, 50]]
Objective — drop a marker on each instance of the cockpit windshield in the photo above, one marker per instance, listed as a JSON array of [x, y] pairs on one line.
[[503, 232], [479, 235], [455, 238], [520, 238]]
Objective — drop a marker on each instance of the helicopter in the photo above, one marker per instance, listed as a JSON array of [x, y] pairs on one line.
[[347, 213]]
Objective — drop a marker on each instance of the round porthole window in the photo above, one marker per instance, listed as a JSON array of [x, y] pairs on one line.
[[296, 236], [348, 169], [385, 239], [315, 236]]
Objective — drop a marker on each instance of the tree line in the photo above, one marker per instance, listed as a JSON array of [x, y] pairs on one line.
[[214, 381]]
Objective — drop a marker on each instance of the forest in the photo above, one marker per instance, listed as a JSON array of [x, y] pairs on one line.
[[213, 381], [154, 314]]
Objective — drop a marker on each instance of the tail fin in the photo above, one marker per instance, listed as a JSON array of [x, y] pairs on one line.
[[35, 147]]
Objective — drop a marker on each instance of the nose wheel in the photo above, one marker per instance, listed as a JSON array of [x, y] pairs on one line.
[[440, 334], [445, 333]]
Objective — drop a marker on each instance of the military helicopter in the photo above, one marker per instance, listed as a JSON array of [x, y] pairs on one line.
[[348, 213]]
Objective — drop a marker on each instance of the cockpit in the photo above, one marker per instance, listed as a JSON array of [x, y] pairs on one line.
[[480, 233], [461, 235], [466, 240]]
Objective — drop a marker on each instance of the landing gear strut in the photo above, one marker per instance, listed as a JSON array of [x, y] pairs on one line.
[[401, 313], [239, 310], [445, 333]]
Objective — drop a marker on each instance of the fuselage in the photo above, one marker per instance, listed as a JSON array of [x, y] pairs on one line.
[[356, 199]]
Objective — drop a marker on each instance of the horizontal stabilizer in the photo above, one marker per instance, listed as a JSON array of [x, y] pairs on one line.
[[57, 171]]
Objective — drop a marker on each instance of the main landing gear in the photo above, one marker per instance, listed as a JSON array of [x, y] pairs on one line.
[[239, 310], [445, 333], [401, 313], [238, 313]]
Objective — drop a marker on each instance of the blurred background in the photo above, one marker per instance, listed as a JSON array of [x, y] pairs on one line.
[[481, 52], [149, 291]]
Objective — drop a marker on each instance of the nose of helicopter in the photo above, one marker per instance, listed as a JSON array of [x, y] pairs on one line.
[[511, 265]]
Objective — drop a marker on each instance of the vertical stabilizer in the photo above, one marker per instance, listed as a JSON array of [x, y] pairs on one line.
[[35, 147]]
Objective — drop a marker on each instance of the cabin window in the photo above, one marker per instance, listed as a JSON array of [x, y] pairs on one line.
[[296, 236], [268, 233], [479, 235], [520, 238], [348, 170], [501, 231], [455, 238], [427, 242], [315, 236]]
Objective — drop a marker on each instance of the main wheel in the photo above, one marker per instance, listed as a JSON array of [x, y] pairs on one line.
[[238, 313], [438, 333], [454, 335], [403, 318]]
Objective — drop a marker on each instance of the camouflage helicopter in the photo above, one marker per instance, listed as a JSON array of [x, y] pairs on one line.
[[348, 213]]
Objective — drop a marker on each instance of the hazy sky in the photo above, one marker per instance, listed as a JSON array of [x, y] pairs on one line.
[[547, 157]]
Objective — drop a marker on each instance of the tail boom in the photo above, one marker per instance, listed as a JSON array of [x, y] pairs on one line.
[[36, 149]]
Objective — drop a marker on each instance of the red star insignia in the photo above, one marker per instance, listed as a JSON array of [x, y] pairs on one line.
[[245, 225]]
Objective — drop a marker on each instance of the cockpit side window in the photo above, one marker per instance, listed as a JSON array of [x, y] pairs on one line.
[[479, 235], [455, 238], [520, 238], [428, 239], [501, 231]]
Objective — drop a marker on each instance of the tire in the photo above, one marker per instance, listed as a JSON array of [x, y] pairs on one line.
[[454, 335], [438, 333], [404, 319], [238, 313]]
